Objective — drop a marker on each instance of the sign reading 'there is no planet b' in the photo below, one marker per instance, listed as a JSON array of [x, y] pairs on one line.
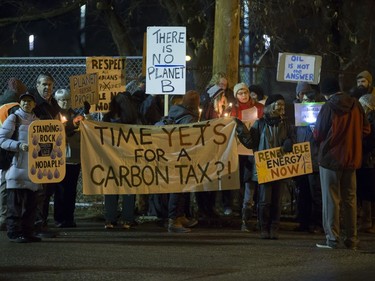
[[165, 62]]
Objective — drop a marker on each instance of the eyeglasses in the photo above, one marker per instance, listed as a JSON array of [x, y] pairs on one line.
[[243, 93]]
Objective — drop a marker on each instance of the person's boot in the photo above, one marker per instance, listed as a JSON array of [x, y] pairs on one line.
[[187, 223], [264, 221], [274, 231], [175, 226], [365, 221], [246, 216]]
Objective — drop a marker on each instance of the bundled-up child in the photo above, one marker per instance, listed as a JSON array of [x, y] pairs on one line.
[[21, 191]]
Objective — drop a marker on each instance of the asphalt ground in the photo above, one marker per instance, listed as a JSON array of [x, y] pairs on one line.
[[149, 252]]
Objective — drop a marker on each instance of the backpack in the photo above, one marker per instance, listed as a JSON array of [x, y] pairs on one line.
[[6, 109], [6, 156]]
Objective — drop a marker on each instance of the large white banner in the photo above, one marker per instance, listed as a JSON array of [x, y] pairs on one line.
[[137, 159], [166, 60]]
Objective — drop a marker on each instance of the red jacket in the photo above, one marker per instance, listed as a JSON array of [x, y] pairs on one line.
[[340, 127]]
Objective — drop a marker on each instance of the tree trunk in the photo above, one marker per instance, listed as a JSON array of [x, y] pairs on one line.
[[226, 39]]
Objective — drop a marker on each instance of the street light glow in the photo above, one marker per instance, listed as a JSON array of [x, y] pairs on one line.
[[31, 42]]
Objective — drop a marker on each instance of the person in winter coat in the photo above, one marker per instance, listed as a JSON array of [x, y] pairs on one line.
[[184, 113], [21, 192], [121, 110], [270, 131], [309, 194], [366, 174], [8, 104], [340, 127], [244, 101], [66, 190]]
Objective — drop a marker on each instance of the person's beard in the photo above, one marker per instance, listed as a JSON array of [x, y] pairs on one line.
[[363, 88]]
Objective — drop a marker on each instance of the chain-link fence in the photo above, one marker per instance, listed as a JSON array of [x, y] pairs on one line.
[[61, 68]]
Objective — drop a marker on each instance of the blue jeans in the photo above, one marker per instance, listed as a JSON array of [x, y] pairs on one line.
[[111, 207]]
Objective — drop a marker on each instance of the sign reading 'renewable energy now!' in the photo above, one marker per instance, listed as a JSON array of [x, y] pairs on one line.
[[166, 60]]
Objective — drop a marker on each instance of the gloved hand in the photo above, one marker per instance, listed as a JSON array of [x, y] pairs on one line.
[[87, 107], [287, 146], [241, 127]]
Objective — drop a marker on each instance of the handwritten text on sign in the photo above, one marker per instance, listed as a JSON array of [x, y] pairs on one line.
[[299, 68], [136, 159], [84, 88], [111, 79], [272, 165], [46, 151], [166, 64]]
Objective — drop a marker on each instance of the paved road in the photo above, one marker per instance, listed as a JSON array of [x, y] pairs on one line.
[[89, 252]]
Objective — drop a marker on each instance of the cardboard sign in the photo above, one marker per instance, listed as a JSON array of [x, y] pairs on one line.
[[166, 60], [299, 67], [111, 79], [84, 88], [47, 151], [306, 113], [272, 165]]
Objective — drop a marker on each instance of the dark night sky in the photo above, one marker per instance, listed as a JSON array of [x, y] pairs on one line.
[[60, 36]]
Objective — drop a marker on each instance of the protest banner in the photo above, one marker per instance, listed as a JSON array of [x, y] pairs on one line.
[[166, 60], [140, 159], [306, 113], [84, 88], [111, 79], [272, 164], [298, 67], [46, 151]]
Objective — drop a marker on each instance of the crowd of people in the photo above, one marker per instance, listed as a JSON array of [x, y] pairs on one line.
[[340, 188]]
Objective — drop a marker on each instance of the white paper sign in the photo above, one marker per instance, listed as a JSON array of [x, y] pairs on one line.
[[165, 63], [299, 67]]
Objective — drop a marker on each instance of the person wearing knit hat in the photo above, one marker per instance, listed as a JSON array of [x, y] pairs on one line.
[[243, 109], [275, 106], [301, 88], [214, 105], [257, 93], [364, 80], [329, 86], [9, 102], [269, 131], [339, 130], [366, 173]]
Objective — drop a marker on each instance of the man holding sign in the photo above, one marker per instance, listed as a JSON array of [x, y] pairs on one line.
[[270, 131]]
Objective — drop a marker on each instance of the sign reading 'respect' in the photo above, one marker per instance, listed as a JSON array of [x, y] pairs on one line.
[[166, 60]]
